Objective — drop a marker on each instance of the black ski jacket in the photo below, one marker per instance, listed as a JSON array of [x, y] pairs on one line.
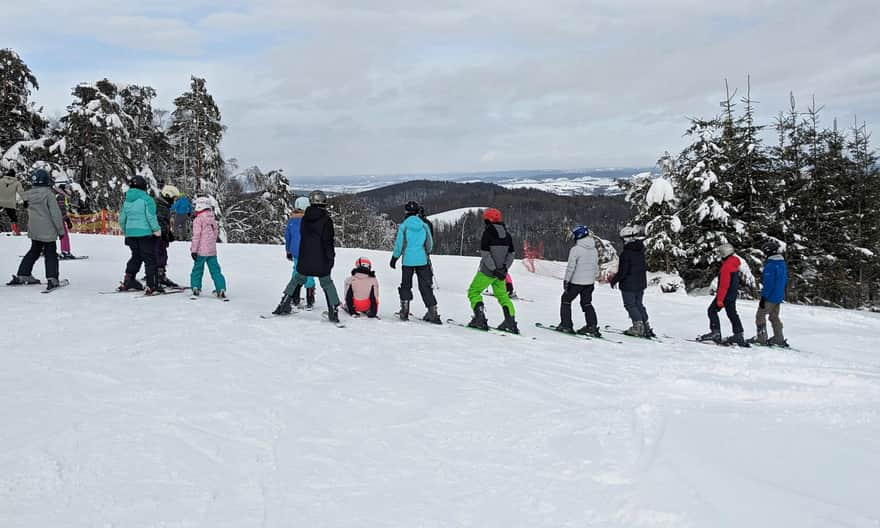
[[632, 268], [316, 252]]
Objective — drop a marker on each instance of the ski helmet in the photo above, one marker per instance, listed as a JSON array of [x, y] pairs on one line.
[[725, 250], [411, 207], [771, 247], [301, 204], [364, 263], [579, 232], [170, 191], [202, 203], [138, 182], [318, 198], [492, 215], [41, 178], [630, 232]]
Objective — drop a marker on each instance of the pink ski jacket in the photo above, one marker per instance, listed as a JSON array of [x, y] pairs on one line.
[[205, 232]]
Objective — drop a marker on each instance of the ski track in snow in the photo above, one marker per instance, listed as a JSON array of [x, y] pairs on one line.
[[171, 413]]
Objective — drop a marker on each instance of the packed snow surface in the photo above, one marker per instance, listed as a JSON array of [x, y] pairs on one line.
[[124, 411], [452, 216]]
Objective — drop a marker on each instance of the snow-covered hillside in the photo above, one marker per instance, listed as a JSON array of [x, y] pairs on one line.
[[125, 411], [452, 216]]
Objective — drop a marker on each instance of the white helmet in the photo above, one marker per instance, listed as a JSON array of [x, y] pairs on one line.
[[301, 204], [725, 250], [170, 191], [630, 232], [202, 203]]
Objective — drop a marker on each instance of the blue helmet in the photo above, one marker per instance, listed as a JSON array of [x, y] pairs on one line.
[[41, 178], [580, 231]]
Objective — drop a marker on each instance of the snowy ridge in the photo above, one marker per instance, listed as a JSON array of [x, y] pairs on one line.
[[169, 412], [452, 216]]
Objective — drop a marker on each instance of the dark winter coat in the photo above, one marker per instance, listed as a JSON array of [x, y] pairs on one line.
[[632, 269], [316, 252], [774, 279], [728, 281], [496, 249], [163, 215]]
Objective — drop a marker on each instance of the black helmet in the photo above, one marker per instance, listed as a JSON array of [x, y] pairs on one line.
[[41, 178], [9, 172], [770, 247], [318, 198], [411, 207], [138, 182]]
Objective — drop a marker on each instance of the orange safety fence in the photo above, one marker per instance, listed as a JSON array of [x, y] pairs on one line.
[[101, 223]]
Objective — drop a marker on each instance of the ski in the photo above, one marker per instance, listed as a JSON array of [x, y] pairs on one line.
[[196, 297], [721, 344], [491, 330], [120, 291], [552, 328], [168, 291], [413, 319], [271, 315], [611, 330], [62, 283], [514, 298], [326, 317], [774, 347]]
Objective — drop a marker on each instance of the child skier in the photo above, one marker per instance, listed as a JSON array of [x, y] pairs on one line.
[[163, 215], [579, 281], [414, 243], [45, 226], [725, 299], [362, 289], [203, 249], [137, 218], [62, 196], [774, 278], [632, 278], [316, 256], [496, 249], [291, 243], [10, 189]]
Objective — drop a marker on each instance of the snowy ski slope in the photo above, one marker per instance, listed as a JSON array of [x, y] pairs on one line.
[[120, 411]]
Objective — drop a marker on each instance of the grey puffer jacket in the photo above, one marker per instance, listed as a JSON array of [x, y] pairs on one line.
[[496, 249], [45, 223], [583, 262], [9, 188]]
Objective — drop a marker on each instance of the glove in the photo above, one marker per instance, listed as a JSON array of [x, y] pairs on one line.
[[720, 303], [194, 255], [170, 237], [762, 303], [393, 262], [69, 223], [289, 256], [500, 273], [613, 285], [157, 233], [564, 285]]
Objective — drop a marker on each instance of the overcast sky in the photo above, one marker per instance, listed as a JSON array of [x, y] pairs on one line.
[[333, 87]]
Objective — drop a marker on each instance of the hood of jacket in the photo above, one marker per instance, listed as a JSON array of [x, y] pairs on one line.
[[133, 194], [414, 223], [587, 242], [314, 213], [635, 245]]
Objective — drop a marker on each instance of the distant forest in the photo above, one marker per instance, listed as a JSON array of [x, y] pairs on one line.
[[532, 215]]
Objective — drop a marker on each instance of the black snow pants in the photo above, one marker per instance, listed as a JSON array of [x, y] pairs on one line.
[[143, 251], [585, 291], [38, 248], [426, 284], [730, 308]]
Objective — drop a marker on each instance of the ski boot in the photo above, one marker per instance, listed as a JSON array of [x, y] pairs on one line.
[[479, 319], [285, 307], [220, 294], [760, 338], [310, 298], [509, 323], [432, 316], [649, 332], [592, 331], [404, 311], [297, 298], [130, 283], [778, 340], [736, 339], [165, 281], [196, 292], [333, 313], [52, 283], [158, 290], [713, 335], [18, 280], [66, 255], [636, 330], [565, 328]]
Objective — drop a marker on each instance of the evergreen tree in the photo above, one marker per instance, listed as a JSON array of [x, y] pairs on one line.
[[20, 120], [862, 200], [195, 134], [151, 148]]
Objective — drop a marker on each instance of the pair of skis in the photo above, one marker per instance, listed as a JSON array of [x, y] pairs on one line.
[[62, 283]]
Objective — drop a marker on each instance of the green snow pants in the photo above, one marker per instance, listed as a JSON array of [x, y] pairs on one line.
[[499, 289], [195, 278], [326, 285]]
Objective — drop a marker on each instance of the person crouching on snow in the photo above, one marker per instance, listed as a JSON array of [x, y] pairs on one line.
[[204, 249], [362, 290]]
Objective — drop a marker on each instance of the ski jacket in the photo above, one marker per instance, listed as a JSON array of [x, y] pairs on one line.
[[496, 249], [316, 252], [10, 187], [45, 223], [632, 269], [774, 278], [182, 206], [363, 289], [413, 241], [163, 216], [137, 218], [728, 280], [291, 234], [583, 262], [205, 233]]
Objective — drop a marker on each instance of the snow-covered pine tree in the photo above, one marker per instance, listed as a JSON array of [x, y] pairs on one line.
[[276, 201], [20, 120], [151, 148], [359, 225], [195, 134], [863, 201], [98, 146]]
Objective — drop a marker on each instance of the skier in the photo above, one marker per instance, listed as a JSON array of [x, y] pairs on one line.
[[414, 243], [632, 279], [291, 243], [137, 218], [182, 209], [62, 196], [10, 188], [725, 299], [316, 256], [45, 226], [496, 250], [362, 289], [203, 249], [774, 278], [579, 281], [163, 215]]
